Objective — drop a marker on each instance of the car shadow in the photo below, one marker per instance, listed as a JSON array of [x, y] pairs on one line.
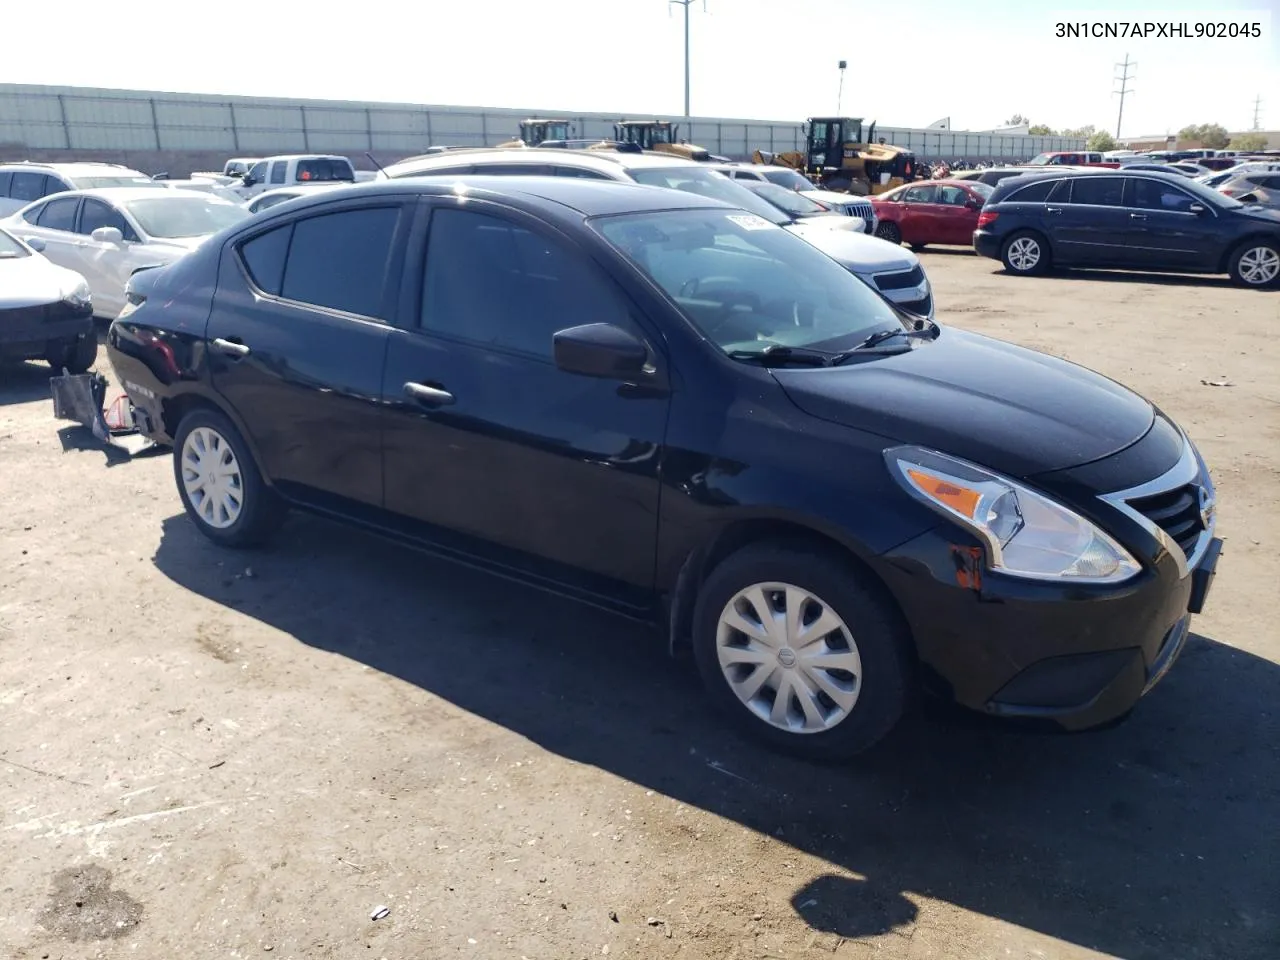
[[24, 382], [1154, 839], [956, 251], [1132, 276]]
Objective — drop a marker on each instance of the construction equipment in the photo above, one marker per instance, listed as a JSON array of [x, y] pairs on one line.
[[659, 136], [537, 130], [838, 158]]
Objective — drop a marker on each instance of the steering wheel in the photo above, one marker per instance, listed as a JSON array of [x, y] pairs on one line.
[[727, 300]]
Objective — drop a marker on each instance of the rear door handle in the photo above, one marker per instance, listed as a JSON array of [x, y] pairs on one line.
[[1137, 216], [432, 396], [230, 348]]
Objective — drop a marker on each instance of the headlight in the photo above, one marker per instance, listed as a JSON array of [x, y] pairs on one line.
[[79, 297], [1026, 534]]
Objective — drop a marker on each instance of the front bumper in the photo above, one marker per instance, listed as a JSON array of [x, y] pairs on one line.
[[27, 332]]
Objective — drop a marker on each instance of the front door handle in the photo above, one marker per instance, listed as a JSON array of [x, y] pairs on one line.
[[1052, 209], [1137, 216], [433, 396], [230, 348]]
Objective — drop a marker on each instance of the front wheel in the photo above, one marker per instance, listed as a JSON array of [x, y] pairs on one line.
[[221, 488], [1255, 264], [889, 231], [1025, 253], [800, 652], [78, 356]]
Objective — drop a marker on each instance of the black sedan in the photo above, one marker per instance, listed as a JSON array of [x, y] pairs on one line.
[[1131, 220], [663, 405]]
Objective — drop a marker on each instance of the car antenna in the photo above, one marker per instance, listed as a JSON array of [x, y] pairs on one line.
[[375, 163]]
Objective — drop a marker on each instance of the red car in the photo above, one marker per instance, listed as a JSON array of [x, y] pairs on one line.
[[931, 211]]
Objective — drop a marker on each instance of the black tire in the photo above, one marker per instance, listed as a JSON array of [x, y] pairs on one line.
[[1262, 253], [261, 510], [889, 231], [881, 639], [1024, 242], [78, 357]]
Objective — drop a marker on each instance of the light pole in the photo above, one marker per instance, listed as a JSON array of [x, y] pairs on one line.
[[686, 4], [840, 91]]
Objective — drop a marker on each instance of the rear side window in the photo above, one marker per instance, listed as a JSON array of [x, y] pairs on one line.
[[511, 170], [1033, 193], [59, 214], [920, 194], [1097, 191], [325, 169], [27, 186], [53, 185], [264, 258], [278, 171], [339, 260], [6, 178], [578, 172]]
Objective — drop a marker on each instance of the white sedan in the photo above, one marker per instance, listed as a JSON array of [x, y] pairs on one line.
[[107, 235]]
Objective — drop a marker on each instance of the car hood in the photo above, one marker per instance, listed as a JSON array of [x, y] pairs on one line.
[[830, 196], [33, 281], [1262, 210], [173, 246], [857, 251], [998, 405]]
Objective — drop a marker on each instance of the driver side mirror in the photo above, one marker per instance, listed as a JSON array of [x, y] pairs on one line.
[[248, 180], [600, 350], [35, 243], [972, 204], [107, 235]]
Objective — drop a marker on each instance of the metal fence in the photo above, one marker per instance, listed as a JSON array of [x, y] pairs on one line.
[[84, 119]]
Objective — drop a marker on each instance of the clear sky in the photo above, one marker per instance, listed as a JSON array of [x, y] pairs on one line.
[[910, 63]]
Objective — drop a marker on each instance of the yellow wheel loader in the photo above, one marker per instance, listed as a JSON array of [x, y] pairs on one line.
[[535, 131], [660, 136], [838, 158]]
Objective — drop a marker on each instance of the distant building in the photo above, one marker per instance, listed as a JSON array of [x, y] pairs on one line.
[[1172, 142]]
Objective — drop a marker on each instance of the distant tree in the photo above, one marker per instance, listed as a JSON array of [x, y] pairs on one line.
[[1016, 120], [1042, 130], [1213, 136], [1080, 133], [1101, 141], [1248, 142]]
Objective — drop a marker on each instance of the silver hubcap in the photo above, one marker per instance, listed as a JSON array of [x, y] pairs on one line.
[[211, 477], [1024, 254], [1259, 265], [789, 657]]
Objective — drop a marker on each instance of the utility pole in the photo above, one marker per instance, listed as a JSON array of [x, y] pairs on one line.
[[1124, 90], [686, 4], [840, 91], [1257, 112]]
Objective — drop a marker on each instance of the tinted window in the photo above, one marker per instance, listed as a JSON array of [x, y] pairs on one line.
[[920, 194], [325, 169], [492, 282], [1156, 195], [339, 260], [264, 257], [59, 214], [511, 170], [278, 171], [1270, 181], [259, 172], [1061, 192], [264, 203], [97, 214], [1033, 193], [1097, 191], [744, 175], [578, 172], [53, 185], [5, 179], [27, 186]]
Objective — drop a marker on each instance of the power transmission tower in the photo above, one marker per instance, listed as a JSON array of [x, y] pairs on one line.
[[1124, 90], [1257, 112], [686, 4]]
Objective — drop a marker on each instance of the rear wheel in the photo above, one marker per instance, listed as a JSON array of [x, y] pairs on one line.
[[1025, 253], [221, 488], [1255, 264], [889, 231], [800, 652]]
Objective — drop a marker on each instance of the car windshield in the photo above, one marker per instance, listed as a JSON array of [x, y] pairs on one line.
[[788, 201], [1042, 160], [747, 284], [789, 179], [326, 169], [97, 183], [11, 249], [708, 183], [177, 217]]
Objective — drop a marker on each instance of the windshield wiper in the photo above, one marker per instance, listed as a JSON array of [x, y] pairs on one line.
[[880, 336], [777, 355]]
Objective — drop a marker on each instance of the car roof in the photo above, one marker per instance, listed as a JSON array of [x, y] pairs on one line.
[[590, 198], [604, 161], [298, 156], [73, 167], [125, 194]]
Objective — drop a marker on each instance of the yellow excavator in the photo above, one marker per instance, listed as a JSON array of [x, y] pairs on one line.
[[837, 157], [538, 130], [659, 136]]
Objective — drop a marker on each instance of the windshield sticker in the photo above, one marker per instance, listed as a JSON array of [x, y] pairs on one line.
[[750, 221]]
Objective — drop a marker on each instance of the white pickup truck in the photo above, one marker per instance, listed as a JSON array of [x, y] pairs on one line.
[[293, 170], [233, 169]]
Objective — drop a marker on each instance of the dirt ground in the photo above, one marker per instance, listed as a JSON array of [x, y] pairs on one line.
[[208, 754]]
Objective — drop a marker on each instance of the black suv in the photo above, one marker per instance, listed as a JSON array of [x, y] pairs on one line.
[[1131, 220], [672, 408]]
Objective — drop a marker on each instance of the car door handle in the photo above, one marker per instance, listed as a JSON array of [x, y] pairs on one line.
[[432, 396], [230, 348], [1137, 216], [1052, 209]]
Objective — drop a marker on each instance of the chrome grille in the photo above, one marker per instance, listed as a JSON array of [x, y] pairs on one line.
[[863, 209]]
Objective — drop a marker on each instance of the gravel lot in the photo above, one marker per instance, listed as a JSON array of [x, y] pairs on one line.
[[207, 754]]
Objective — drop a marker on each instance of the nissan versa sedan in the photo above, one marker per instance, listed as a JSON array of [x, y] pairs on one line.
[[676, 410]]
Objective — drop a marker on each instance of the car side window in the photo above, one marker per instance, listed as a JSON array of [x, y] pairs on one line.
[[53, 184], [511, 170], [1097, 191], [259, 172], [339, 260], [6, 178], [952, 196], [264, 256], [578, 172], [278, 171], [98, 214], [59, 214], [27, 186], [1033, 192], [1271, 181], [1156, 195], [1061, 192], [924, 194], [492, 282]]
